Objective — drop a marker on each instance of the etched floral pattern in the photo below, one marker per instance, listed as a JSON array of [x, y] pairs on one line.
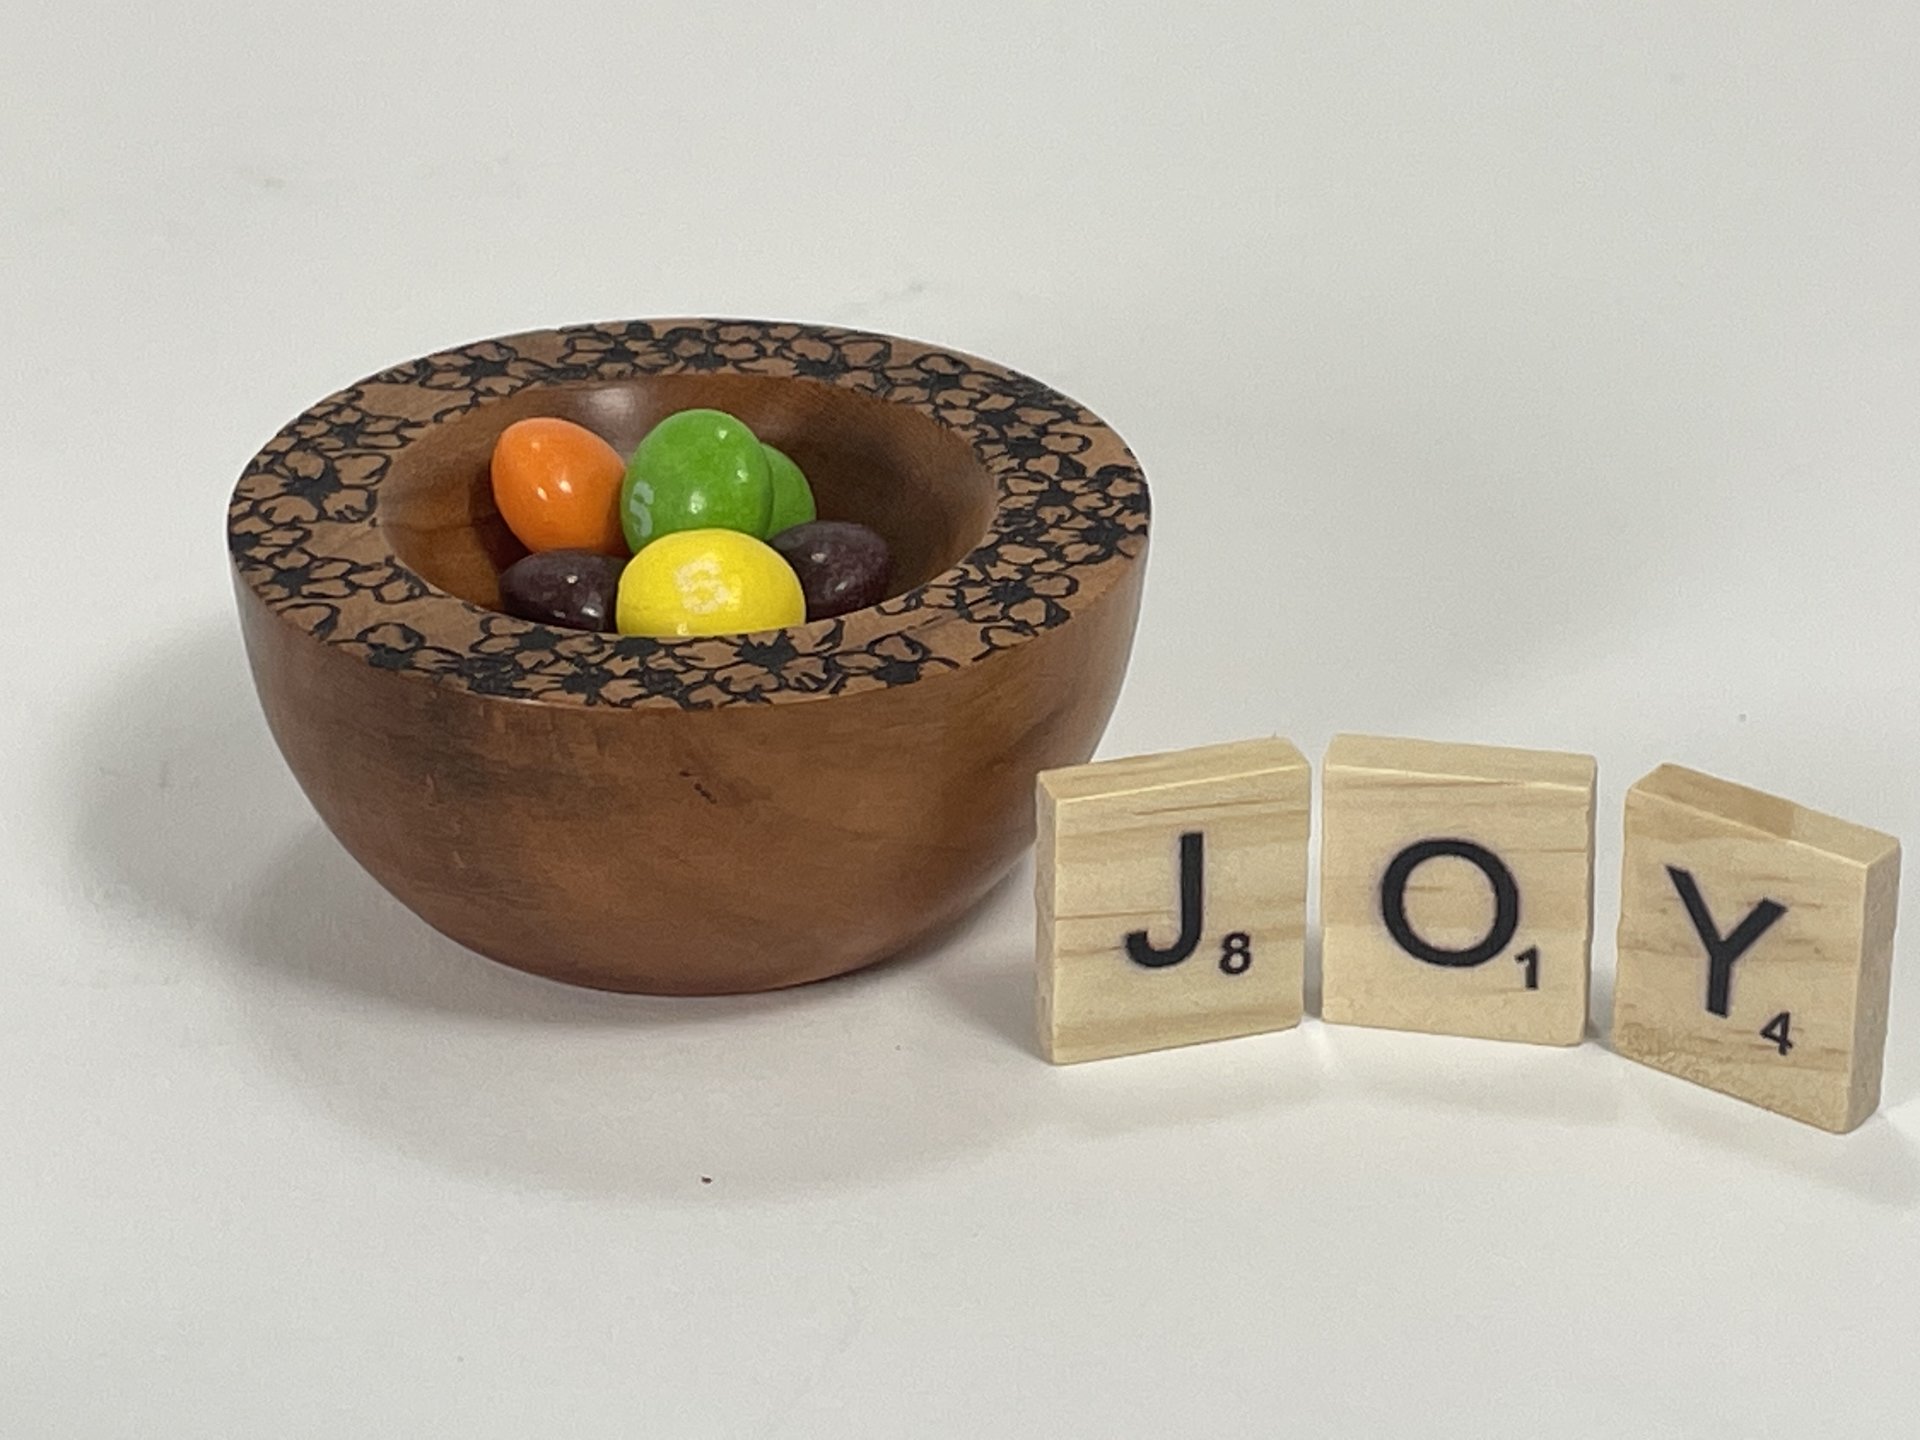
[[1072, 513]]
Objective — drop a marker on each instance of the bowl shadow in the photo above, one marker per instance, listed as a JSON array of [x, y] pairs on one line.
[[186, 817]]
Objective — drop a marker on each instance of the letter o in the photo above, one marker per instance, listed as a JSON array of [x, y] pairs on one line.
[[1506, 902]]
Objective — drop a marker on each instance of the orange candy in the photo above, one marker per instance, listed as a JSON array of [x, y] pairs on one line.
[[558, 486]]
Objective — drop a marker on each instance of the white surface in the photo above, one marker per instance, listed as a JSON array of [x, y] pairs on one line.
[[1528, 374]]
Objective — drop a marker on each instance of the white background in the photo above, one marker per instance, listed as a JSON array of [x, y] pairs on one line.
[[1524, 373]]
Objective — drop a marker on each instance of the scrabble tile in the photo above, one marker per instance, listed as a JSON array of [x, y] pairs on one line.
[[1755, 946], [1456, 889], [1171, 894]]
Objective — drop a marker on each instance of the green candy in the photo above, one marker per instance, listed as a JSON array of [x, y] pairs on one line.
[[792, 496], [696, 470]]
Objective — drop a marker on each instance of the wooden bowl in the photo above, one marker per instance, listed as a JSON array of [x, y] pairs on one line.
[[690, 816]]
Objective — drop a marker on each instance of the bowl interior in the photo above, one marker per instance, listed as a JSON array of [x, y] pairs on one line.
[[889, 466]]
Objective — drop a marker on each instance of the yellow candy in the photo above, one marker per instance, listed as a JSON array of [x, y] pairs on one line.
[[707, 582]]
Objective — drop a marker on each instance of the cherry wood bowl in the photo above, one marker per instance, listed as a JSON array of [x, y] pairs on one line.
[[690, 816]]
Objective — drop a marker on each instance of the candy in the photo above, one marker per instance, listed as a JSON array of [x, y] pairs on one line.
[[696, 470], [842, 566], [708, 582], [570, 588], [792, 496], [558, 486]]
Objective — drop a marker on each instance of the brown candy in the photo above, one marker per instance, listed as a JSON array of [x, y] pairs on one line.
[[574, 589], [842, 566]]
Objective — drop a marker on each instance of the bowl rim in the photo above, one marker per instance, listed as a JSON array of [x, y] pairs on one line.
[[1070, 517]]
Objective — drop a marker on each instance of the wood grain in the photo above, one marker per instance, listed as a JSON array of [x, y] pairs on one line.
[[728, 814], [1109, 867], [1824, 960], [1413, 809]]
